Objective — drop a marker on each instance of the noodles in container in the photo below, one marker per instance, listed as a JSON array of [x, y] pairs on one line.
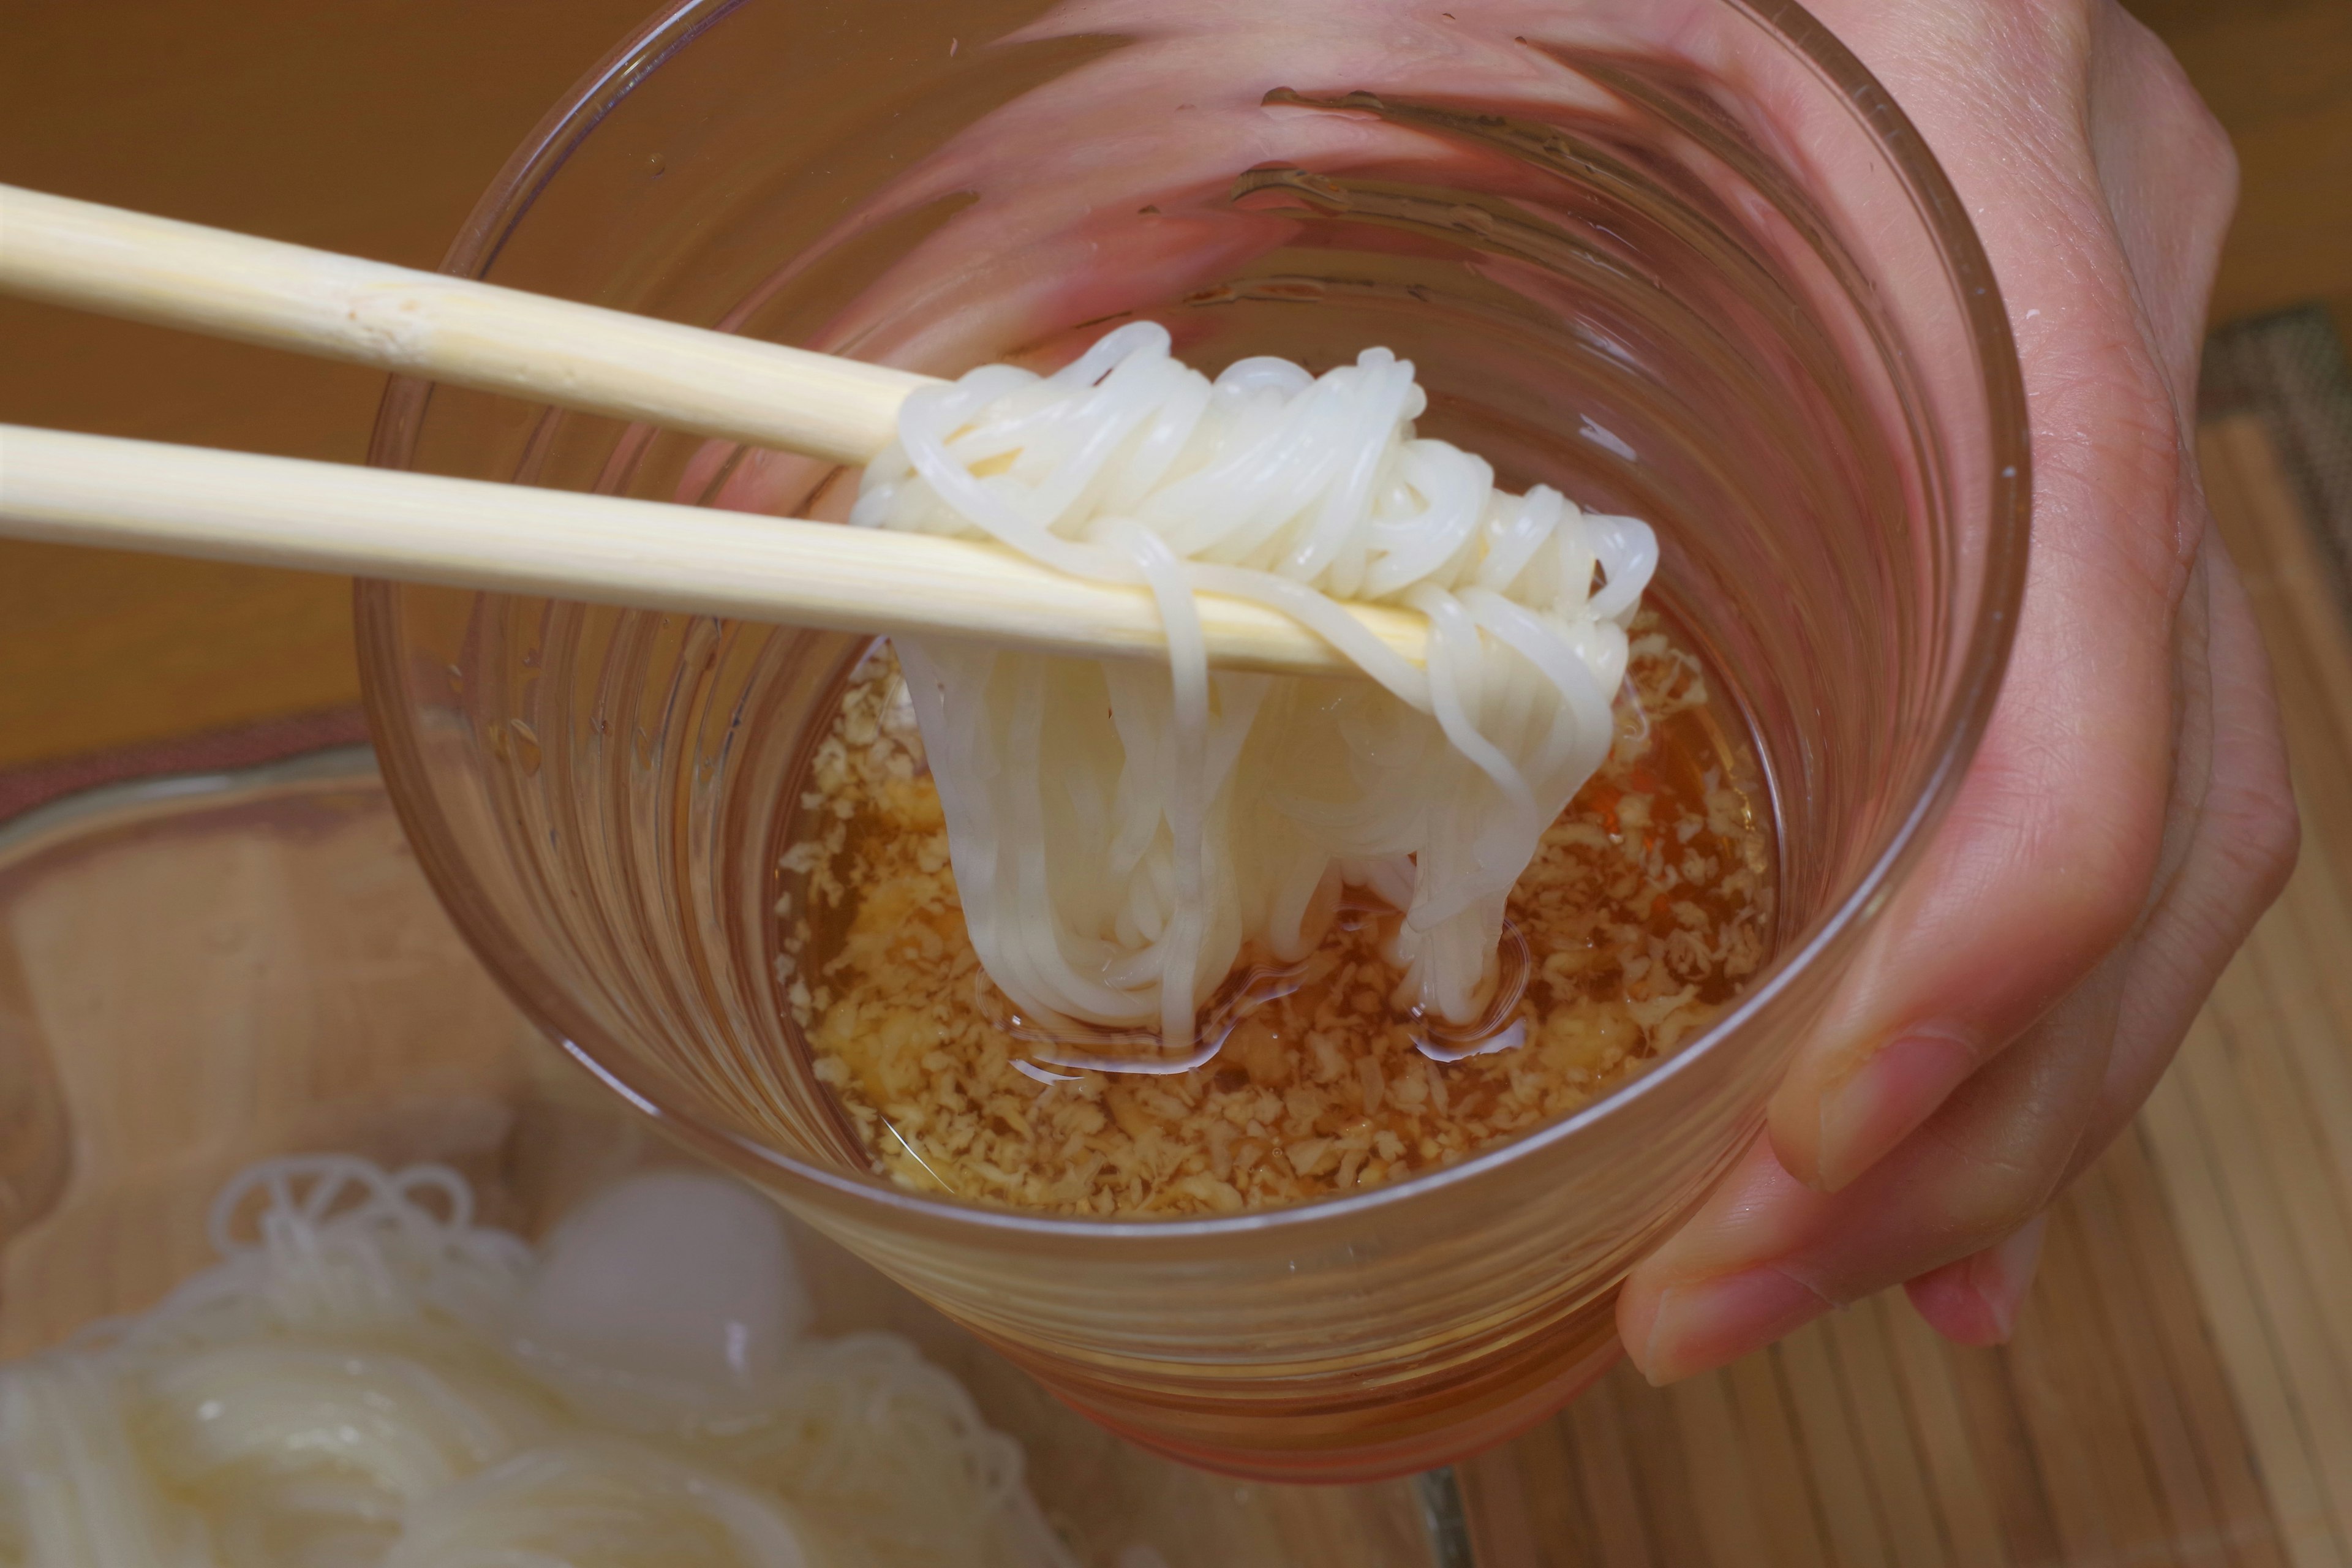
[[1109, 936], [370, 1378]]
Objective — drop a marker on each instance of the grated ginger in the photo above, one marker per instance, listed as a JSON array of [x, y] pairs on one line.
[[1646, 910]]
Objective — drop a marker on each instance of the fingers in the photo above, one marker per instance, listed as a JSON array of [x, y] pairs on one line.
[[2047, 861], [2233, 789], [2239, 854], [1953, 1208], [1765, 1252], [1976, 1301], [2041, 869], [2125, 817]]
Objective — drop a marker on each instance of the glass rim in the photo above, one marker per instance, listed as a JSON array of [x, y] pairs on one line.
[[1976, 687]]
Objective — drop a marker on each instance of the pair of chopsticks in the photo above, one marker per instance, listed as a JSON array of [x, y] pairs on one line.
[[420, 528]]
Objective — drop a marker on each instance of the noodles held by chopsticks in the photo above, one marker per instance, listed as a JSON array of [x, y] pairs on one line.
[[1119, 836]]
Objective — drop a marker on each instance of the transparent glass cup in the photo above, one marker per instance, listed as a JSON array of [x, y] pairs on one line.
[[1685, 261]]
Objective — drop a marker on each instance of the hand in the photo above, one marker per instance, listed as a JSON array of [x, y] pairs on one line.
[[2128, 815]]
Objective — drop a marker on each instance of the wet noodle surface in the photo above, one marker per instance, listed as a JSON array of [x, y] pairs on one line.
[[1646, 910]]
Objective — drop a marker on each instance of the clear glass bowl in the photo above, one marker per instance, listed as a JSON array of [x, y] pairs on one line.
[[196, 973], [1684, 259]]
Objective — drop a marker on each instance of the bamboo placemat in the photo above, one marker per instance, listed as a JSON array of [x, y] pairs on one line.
[[2179, 1388]]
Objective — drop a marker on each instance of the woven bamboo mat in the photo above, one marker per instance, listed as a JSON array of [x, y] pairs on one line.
[[2179, 1388]]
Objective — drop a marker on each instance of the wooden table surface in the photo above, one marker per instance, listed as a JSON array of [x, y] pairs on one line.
[[370, 126]]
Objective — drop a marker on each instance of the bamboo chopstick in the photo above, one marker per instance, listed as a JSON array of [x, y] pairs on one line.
[[470, 533], [453, 330], [228, 506]]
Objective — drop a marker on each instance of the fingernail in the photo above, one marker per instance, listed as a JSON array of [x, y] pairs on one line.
[[1884, 1100], [2004, 1274], [1701, 1326]]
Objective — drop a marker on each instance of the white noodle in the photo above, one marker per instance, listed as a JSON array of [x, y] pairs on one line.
[[345, 1388], [1119, 833]]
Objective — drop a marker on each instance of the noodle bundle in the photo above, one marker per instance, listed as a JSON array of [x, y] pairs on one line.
[[1120, 839], [366, 1383]]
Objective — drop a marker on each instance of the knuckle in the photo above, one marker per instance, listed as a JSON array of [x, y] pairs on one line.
[[1996, 1174], [2088, 853], [2201, 150], [2213, 155], [2000, 1199], [2268, 836], [2161, 94], [2092, 909]]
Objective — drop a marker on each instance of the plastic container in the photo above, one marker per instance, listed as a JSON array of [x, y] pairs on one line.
[[198, 973], [1685, 260]]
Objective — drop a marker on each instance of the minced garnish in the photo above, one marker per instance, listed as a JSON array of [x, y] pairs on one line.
[[1646, 910]]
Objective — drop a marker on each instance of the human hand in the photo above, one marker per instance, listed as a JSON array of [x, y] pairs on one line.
[[2127, 815]]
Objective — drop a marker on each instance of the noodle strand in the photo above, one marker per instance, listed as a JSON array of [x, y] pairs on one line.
[[1239, 804]]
